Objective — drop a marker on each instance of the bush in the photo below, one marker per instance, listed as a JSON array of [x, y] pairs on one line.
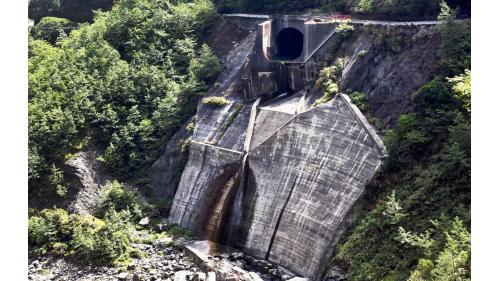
[[115, 196], [45, 229], [176, 231], [216, 101], [360, 100], [362, 53], [52, 29], [206, 67], [328, 81], [85, 237], [345, 29]]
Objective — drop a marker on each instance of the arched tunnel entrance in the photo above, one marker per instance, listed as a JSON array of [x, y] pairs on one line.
[[289, 44]]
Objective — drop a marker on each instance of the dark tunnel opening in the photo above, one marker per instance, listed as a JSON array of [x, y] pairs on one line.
[[289, 43]]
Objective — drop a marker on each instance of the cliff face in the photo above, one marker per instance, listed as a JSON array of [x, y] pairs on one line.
[[388, 64], [275, 175]]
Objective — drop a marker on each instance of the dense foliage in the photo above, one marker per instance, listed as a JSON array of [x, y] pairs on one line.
[[378, 8], [125, 83], [418, 223], [89, 239], [75, 10], [52, 29]]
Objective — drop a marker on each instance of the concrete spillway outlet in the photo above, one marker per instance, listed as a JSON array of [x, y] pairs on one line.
[[289, 44]]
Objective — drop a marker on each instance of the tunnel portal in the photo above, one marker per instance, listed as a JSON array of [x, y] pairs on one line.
[[289, 44]]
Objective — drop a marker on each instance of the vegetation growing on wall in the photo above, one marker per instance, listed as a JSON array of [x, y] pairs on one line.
[[125, 82], [328, 81], [216, 101], [418, 225]]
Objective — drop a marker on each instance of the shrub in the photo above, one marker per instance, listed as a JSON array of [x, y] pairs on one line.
[[328, 81], [81, 236], [362, 53], [115, 196], [216, 101], [462, 89], [360, 100], [56, 182], [45, 228], [345, 29], [52, 29], [206, 67], [176, 231]]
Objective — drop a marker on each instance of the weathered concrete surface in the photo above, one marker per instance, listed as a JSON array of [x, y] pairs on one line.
[[201, 200], [306, 177], [266, 123]]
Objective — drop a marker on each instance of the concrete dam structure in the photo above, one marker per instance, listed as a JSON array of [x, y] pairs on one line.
[[272, 173]]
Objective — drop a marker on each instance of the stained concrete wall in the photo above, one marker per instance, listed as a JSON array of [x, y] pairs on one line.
[[306, 177], [205, 188], [286, 203]]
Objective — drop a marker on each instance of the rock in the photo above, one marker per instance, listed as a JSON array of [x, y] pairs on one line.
[[199, 276], [298, 279], [131, 266], [85, 175], [336, 274], [181, 275], [136, 277], [144, 221], [236, 256], [122, 276], [255, 276], [211, 276]]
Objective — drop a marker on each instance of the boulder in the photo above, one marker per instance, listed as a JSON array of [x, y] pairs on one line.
[[199, 276], [144, 221], [211, 276], [181, 275], [122, 276]]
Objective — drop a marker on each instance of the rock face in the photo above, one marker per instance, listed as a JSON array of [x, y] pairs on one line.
[[273, 174], [164, 174], [86, 175], [397, 61]]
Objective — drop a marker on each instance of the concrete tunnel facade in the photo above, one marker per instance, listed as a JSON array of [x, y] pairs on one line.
[[285, 53], [289, 44]]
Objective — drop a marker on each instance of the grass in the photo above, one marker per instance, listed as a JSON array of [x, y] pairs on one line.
[[216, 101]]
